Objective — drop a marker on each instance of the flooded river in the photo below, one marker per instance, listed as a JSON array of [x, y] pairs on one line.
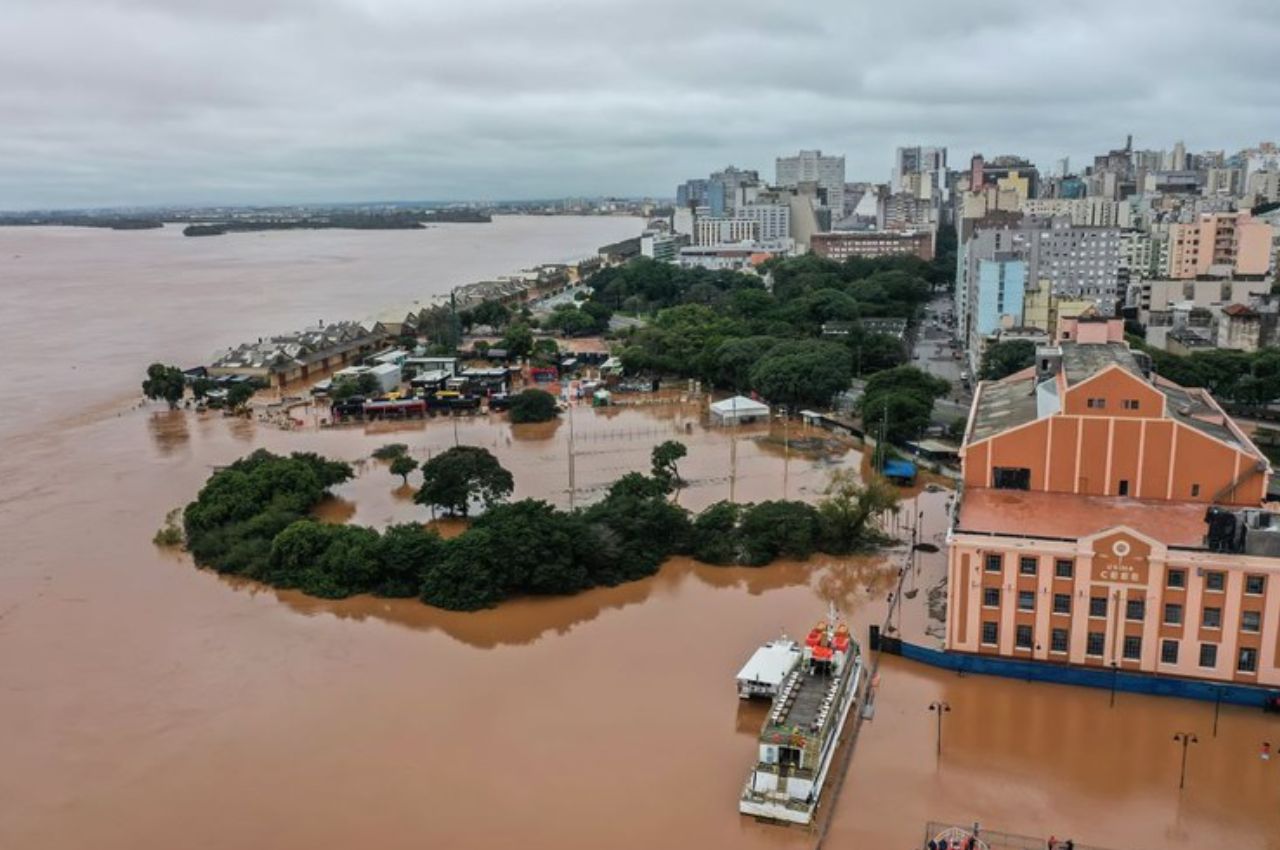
[[148, 704]]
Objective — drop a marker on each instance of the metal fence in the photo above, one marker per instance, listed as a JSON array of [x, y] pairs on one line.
[[993, 840]]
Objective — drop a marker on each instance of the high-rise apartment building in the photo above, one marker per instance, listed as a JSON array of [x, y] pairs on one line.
[[826, 172], [1223, 243]]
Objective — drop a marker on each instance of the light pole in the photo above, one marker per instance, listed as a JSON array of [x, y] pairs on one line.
[[1115, 674], [1186, 739], [940, 707], [1217, 708]]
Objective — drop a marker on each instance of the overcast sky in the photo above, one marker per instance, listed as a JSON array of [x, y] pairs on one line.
[[106, 102]]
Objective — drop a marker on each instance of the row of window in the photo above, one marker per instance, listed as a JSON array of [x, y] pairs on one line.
[[1135, 609], [1214, 580], [1101, 403], [1131, 650]]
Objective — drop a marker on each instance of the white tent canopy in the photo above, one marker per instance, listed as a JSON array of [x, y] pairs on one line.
[[737, 409]]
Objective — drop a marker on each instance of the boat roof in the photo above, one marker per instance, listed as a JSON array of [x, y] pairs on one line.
[[771, 663]]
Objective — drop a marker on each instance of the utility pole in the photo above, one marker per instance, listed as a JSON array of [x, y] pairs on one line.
[[939, 708], [1186, 739], [733, 450], [1217, 709], [573, 487]]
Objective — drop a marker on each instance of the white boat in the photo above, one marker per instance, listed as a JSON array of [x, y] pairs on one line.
[[803, 730], [764, 673]]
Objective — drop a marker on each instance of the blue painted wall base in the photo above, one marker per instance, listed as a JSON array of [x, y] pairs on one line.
[[1091, 677]]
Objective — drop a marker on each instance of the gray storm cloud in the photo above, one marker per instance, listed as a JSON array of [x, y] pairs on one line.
[[157, 101]]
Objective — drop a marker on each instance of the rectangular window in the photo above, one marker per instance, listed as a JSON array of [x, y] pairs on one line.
[[1208, 655], [1250, 621], [1097, 403], [1027, 566], [1022, 637], [1172, 614], [1132, 647], [1058, 640], [1177, 578], [1097, 606], [1094, 643], [1011, 478], [1135, 609], [1248, 660], [990, 633], [1169, 652], [1064, 568], [1195, 490], [1212, 618], [1255, 585], [1215, 580], [1130, 404], [991, 597], [1026, 600], [1062, 603], [994, 564], [1124, 487]]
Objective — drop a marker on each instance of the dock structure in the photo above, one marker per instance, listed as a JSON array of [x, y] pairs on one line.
[[947, 835]]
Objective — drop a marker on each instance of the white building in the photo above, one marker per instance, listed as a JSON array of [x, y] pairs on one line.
[[738, 410], [773, 221], [659, 246], [725, 231], [812, 167]]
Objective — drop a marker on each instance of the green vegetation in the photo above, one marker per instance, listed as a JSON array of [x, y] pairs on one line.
[[363, 384], [241, 509], [164, 382], [664, 458], [1004, 358], [253, 519], [238, 395], [390, 451], [730, 331], [402, 465], [170, 534], [579, 318], [518, 341], [452, 480], [533, 405], [902, 396]]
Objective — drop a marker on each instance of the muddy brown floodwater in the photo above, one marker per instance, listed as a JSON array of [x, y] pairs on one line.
[[148, 704]]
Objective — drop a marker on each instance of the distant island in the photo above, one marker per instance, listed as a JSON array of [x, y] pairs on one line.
[[110, 221], [346, 221]]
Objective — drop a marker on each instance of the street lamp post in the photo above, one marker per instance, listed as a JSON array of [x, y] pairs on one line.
[[940, 707], [1217, 708], [1115, 674], [1186, 739]]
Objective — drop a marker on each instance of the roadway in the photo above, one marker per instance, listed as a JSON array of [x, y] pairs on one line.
[[933, 352]]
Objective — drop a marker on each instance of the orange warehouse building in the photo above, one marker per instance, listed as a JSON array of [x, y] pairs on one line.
[[1113, 519]]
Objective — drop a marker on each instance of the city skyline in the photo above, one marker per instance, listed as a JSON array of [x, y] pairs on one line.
[[276, 103]]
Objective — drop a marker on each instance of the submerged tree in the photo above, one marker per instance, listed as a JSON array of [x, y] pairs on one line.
[[164, 382], [664, 458], [849, 509], [450, 480], [402, 465]]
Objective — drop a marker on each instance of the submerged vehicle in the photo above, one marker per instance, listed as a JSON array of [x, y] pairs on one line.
[[803, 730]]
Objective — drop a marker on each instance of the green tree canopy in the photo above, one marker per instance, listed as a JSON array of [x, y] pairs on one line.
[[663, 460], [1004, 358], [452, 479], [164, 382], [806, 372], [534, 405], [402, 465]]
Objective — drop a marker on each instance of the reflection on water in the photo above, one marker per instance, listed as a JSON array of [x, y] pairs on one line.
[[168, 430]]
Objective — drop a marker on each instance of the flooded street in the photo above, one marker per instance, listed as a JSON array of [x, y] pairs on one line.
[[148, 704]]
